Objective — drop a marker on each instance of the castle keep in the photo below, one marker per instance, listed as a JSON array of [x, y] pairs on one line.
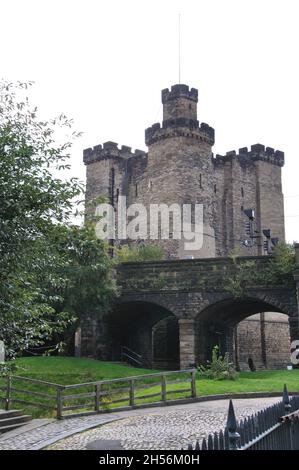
[[180, 168]]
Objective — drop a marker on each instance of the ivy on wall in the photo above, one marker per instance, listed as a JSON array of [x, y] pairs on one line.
[[278, 272]]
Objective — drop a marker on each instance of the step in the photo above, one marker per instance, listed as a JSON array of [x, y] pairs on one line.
[[15, 420], [10, 414], [4, 429]]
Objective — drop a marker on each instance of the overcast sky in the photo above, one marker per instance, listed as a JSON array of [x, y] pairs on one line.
[[104, 63]]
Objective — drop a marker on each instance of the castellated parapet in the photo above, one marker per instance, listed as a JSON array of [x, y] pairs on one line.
[[179, 167], [179, 91], [180, 127], [109, 150], [256, 152]]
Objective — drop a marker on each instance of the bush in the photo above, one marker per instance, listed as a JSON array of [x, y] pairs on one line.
[[140, 253], [220, 368]]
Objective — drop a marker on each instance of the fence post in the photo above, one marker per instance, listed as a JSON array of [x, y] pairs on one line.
[[233, 435], [97, 398], [163, 387], [193, 384], [286, 399], [8, 393], [287, 408], [59, 402], [132, 393]]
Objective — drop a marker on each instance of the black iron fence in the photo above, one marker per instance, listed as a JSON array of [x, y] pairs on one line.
[[274, 428]]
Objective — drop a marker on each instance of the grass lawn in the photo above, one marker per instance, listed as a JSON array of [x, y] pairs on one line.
[[72, 370], [68, 370]]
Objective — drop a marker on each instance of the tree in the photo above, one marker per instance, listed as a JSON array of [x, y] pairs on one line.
[[89, 285], [41, 252]]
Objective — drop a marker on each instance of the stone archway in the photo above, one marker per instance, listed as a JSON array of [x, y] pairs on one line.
[[145, 328], [216, 324], [262, 341], [166, 348]]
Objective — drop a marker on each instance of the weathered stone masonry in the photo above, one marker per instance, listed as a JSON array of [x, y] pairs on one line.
[[190, 293], [179, 167]]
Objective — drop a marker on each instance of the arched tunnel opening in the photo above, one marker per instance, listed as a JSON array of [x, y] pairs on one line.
[[253, 340], [145, 332], [160, 340]]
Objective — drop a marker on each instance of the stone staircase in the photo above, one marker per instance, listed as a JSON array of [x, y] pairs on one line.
[[12, 419]]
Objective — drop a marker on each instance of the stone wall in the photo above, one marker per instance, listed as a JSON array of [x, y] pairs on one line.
[[179, 168], [265, 340], [248, 180]]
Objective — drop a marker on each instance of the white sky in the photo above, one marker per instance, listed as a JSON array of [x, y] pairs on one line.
[[104, 63]]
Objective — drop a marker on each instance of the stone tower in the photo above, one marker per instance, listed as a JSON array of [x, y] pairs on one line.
[[180, 167]]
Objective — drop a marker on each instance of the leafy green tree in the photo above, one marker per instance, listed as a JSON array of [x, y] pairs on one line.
[[88, 284], [49, 268]]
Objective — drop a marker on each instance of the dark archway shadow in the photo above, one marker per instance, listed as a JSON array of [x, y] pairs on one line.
[[142, 327], [232, 311], [219, 324]]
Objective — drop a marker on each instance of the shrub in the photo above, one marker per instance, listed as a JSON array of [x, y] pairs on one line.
[[140, 253], [220, 368]]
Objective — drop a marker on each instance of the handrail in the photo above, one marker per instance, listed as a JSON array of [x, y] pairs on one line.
[[131, 351], [132, 355], [124, 379], [28, 379], [137, 361]]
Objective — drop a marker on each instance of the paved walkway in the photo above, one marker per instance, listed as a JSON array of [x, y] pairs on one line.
[[147, 428]]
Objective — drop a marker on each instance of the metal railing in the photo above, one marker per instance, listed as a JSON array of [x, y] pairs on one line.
[[274, 428], [99, 396], [132, 357]]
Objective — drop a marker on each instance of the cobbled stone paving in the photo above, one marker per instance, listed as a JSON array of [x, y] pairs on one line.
[[36, 437], [166, 430], [163, 428]]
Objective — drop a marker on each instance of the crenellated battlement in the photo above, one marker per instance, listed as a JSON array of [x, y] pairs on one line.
[[179, 127], [110, 150], [179, 91], [256, 152]]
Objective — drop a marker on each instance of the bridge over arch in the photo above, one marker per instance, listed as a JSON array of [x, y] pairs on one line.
[[190, 301]]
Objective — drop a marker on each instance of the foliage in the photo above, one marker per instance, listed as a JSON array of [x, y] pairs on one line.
[[278, 272], [88, 285], [282, 265], [220, 368], [7, 368], [243, 276], [139, 253], [48, 266]]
